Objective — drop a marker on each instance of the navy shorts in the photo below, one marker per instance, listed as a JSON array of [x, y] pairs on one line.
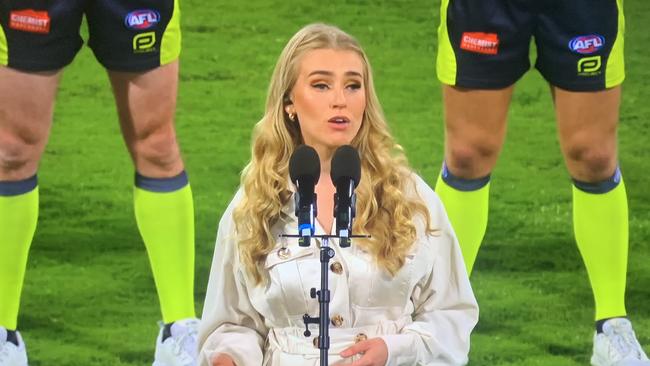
[[484, 44], [125, 35]]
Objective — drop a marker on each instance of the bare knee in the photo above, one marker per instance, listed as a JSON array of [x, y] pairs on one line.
[[591, 163], [26, 105], [18, 157], [469, 162], [156, 152]]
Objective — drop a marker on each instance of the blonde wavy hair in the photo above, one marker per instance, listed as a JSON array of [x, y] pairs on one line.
[[383, 209]]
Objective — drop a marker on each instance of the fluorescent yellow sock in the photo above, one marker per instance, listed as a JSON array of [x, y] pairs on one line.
[[600, 223], [468, 213], [18, 216], [166, 223]]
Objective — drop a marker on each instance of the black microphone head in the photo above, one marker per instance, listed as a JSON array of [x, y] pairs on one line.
[[304, 163], [346, 164]]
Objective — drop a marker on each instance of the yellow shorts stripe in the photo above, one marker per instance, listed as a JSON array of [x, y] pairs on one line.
[[170, 46], [4, 50], [615, 71], [446, 59]]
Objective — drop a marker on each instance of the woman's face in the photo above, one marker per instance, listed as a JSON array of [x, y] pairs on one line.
[[329, 98]]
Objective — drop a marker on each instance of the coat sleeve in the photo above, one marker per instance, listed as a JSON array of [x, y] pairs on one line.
[[229, 323], [445, 309]]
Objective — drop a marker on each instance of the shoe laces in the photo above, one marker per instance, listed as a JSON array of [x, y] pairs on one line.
[[622, 341]]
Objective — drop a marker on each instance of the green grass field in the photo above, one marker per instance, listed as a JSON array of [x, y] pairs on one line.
[[89, 297]]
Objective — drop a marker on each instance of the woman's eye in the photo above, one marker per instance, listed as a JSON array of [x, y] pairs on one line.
[[321, 86], [354, 86]]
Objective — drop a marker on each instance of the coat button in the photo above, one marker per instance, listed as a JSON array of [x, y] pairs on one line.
[[336, 267], [284, 253], [337, 320], [360, 337], [315, 341]]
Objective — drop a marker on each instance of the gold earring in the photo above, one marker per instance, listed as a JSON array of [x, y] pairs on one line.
[[292, 116]]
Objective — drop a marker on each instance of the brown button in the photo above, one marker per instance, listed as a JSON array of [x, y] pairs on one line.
[[336, 267], [337, 320], [360, 337], [315, 341], [284, 253]]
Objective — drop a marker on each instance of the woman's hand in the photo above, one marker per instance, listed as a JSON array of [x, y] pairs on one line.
[[374, 351], [223, 359]]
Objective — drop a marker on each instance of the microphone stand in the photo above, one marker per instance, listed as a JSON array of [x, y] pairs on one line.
[[306, 216], [323, 318]]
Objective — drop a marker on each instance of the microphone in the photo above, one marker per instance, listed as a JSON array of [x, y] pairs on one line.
[[345, 173], [304, 170]]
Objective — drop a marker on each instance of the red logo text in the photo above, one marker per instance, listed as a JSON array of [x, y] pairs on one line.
[[29, 20], [479, 42]]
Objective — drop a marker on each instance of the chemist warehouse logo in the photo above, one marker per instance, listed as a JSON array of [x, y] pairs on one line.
[[479, 42], [142, 19], [30, 20], [587, 44]]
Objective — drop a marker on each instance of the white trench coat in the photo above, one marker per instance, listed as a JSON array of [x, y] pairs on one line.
[[425, 313]]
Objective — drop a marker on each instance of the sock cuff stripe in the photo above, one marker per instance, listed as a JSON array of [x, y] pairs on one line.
[[16, 188], [161, 185], [462, 184], [600, 187]]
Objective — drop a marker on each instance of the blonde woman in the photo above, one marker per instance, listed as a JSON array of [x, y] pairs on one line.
[[401, 297]]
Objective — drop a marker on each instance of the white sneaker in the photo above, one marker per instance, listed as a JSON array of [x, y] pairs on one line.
[[179, 348], [10, 354], [617, 345]]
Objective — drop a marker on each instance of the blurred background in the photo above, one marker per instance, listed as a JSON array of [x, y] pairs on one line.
[[89, 297]]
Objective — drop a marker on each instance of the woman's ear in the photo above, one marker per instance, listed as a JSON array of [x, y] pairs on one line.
[[290, 109]]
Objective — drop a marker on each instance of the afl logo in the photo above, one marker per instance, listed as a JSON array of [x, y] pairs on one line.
[[587, 44], [142, 19]]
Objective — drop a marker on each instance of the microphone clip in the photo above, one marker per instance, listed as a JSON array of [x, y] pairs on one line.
[[306, 215], [344, 212]]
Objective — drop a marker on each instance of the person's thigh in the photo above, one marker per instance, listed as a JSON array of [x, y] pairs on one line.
[[37, 39], [482, 51], [26, 107], [587, 123], [146, 103], [475, 129], [138, 42], [134, 35], [580, 53]]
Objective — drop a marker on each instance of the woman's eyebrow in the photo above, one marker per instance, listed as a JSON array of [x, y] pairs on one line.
[[353, 73], [321, 72], [329, 73]]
